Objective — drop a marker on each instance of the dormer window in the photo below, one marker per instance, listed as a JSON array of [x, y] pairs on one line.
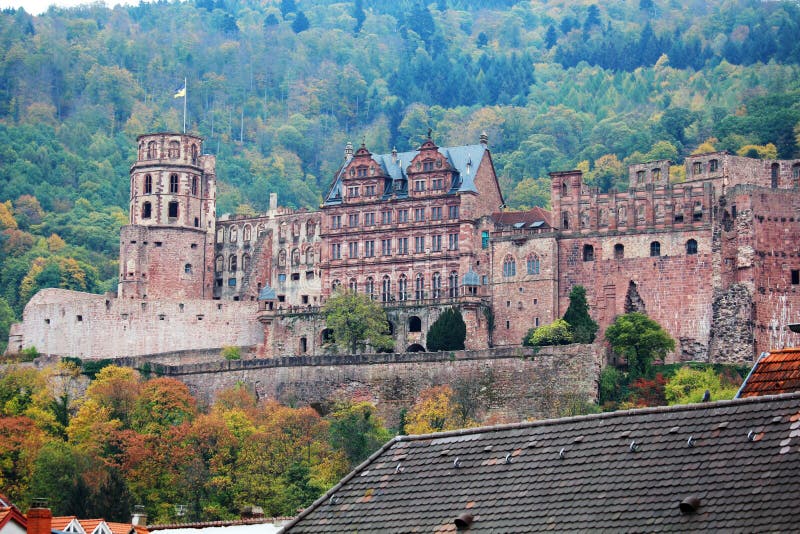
[[427, 166], [361, 172]]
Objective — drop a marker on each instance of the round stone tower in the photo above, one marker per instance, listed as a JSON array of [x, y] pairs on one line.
[[167, 249]]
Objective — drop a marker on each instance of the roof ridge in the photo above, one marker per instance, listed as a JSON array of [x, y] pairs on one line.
[[595, 416]]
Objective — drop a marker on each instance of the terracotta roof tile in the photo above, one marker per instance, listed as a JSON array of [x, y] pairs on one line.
[[61, 522], [120, 528], [623, 471], [776, 373], [89, 524]]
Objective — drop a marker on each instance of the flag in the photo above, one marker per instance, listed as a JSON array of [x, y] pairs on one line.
[[181, 92]]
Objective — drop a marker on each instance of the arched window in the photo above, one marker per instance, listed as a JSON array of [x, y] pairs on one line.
[[452, 283], [173, 183], [369, 287], [419, 286], [655, 249], [509, 266], [151, 150], [691, 247], [622, 216], [775, 173], [336, 284], [414, 324], [232, 263], [282, 258], [564, 189], [565, 220], [619, 251], [194, 185], [402, 288], [147, 210], [246, 232], [219, 263], [602, 216], [310, 228], [174, 149], [588, 253], [353, 285], [148, 184], [386, 289], [310, 256], [245, 262], [296, 256], [436, 285], [220, 234], [234, 234], [194, 154], [533, 264]]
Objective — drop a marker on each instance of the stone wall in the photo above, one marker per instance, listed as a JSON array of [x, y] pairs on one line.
[[501, 384]]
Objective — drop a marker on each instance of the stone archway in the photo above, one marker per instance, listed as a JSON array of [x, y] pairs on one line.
[[416, 347]]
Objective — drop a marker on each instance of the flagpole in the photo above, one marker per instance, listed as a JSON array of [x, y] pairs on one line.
[[185, 89]]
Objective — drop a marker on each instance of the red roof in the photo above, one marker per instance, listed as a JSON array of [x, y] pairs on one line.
[[61, 522], [10, 513], [776, 373]]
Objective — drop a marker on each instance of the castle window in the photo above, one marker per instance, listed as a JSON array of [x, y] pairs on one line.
[[414, 324], [453, 284], [419, 244], [698, 212], [173, 183], [361, 172], [369, 219], [656, 174], [565, 220], [220, 234], [352, 191], [402, 216], [310, 256], [194, 154], [234, 233], [303, 345], [655, 249], [147, 210], [436, 243], [232, 263], [452, 242], [194, 185], [148, 184], [419, 289], [196, 222], [336, 251], [427, 166], [436, 213], [353, 249], [774, 175], [172, 210], [713, 165], [402, 288], [533, 264], [484, 239], [437, 184], [336, 284], [509, 266], [691, 247], [295, 277], [247, 233], [369, 190], [386, 289], [436, 285], [174, 150], [795, 277], [386, 217], [245, 262], [353, 285], [402, 245], [352, 220], [79, 318], [281, 278], [386, 247], [588, 253], [369, 248], [452, 212], [640, 177], [336, 221], [219, 263], [151, 150], [232, 282], [187, 268], [419, 214], [296, 256], [369, 287], [796, 171], [619, 251], [697, 168], [419, 185], [564, 189]]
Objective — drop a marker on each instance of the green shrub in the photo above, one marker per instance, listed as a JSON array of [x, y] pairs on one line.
[[231, 353], [448, 332], [556, 333], [28, 354]]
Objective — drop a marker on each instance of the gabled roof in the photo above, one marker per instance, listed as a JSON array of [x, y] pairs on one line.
[[465, 160], [527, 218], [621, 471], [9, 513], [777, 372]]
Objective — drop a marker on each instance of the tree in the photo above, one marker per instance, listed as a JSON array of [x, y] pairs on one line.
[[555, 333], [688, 385], [581, 324], [6, 320], [435, 411], [550, 37], [640, 340], [356, 430], [448, 332], [356, 322], [300, 22], [359, 15]]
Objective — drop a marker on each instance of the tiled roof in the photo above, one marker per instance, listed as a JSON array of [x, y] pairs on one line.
[[621, 471], [531, 216], [10, 513], [777, 372], [119, 528], [61, 522]]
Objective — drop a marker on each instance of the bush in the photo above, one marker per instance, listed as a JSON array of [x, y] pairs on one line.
[[555, 333], [231, 353], [581, 324], [448, 332], [28, 354]]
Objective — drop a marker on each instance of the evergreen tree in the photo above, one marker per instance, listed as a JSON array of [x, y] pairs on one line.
[[640, 340], [448, 332], [288, 6], [550, 37], [300, 23], [359, 15], [581, 324]]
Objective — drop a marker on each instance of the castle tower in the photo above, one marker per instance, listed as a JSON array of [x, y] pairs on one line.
[[167, 250]]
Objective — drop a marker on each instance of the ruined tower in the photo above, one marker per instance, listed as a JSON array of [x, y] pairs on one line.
[[167, 249]]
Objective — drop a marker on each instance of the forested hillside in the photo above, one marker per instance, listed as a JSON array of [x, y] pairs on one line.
[[278, 87]]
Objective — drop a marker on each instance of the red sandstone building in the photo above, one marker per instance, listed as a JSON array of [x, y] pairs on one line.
[[713, 258]]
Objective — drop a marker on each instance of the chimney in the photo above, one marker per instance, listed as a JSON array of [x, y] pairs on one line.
[[394, 155], [39, 517], [139, 516], [484, 139]]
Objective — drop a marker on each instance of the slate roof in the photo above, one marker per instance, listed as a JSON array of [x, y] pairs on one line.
[[465, 160], [620, 471], [777, 372], [528, 218]]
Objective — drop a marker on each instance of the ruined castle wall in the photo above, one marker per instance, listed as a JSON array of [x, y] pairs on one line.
[[508, 385], [676, 287], [70, 323]]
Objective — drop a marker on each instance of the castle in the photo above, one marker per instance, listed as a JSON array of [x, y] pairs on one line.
[[713, 259]]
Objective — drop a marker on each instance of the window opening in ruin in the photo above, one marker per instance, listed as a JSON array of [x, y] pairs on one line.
[[419, 287], [309, 275], [151, 150], [327, 335], [414, 324], [353, 285], [655, 249], [79, 318], [436, 285], [774, 175], [691, 247], [303, 345], [484, 239], [180, 307], [336, 284], [369, 287], [640, 177], [588, 253], [233, 263], [173, 183], [533, 264], [452, 212], [187, 268], [218, 282], [386, 289], [536, 322], [304, 299], [565, 220], [281, 298], [733, 210], [509, 266], [218, 263], [453, 284], [173, 210], [795, 277], [796, 172], [564, 188], [402, 288], [656, 174], [246, 262], [713, 165], [619, 251], [174, 150], [148, 184], [697, 168], [194, 185], [147, 210], [236, 298], [231, 282], [508, 325]]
